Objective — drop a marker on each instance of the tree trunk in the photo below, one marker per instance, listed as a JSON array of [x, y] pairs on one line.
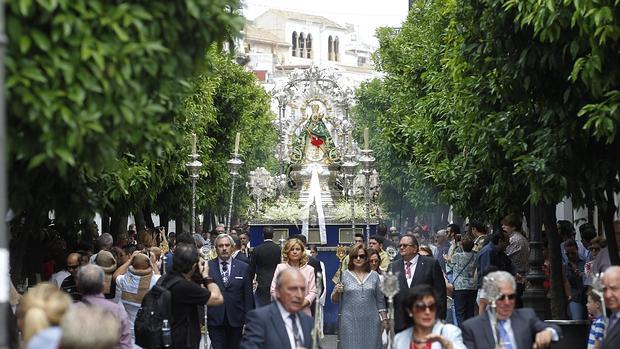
[[164, 220], [148, 218], [178, 222], [607, 209], [140, 222], [105, 223], [118, 224], [558, 296]]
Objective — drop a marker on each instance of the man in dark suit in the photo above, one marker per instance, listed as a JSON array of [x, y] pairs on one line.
[[225, 322], [611, 285], [519, 328], [265, 258], [281, 324], [239, 254], [413, 270]]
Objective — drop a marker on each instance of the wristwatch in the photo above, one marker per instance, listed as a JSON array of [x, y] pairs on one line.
[[207, 280]]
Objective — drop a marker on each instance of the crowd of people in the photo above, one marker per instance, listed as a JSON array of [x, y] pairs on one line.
[[270, 296]]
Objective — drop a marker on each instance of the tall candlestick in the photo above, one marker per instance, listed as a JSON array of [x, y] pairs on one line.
[[193, 143], [237, 143], [366, 138]]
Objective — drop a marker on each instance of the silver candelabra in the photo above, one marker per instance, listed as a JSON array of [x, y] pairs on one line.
[[367, 161], [234, 164], [349, 167], [193, 166], [390, 288]]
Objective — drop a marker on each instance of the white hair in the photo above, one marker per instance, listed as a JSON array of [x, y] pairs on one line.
[[224, 235], [493, 280]]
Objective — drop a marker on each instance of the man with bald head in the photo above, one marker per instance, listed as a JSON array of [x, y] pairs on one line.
[[69, 284], [134, 279], [611, 293], [281, 324]]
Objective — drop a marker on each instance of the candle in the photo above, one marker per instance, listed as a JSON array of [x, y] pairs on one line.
[[366, 138], [193, 143], [237, 143]]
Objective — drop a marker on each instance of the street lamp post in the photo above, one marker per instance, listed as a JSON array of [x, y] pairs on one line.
[[534, 295]]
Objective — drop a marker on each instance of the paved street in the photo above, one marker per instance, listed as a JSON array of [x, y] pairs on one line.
[[329, 341]]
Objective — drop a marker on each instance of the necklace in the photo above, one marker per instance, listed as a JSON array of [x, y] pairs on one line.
[[413, 344], [360, 276]]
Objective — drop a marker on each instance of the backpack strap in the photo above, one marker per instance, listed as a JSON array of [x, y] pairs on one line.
[[168, 283]]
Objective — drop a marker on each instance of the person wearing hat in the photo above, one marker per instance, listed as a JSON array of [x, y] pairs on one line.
[[134, 279], [106, 261]]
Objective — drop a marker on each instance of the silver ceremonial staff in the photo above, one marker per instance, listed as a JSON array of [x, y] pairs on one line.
[[390, 288], [316, 331]]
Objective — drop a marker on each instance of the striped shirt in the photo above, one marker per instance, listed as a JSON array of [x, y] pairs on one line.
[[597, 331]]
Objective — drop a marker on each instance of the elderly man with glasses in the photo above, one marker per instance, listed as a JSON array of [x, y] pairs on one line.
[[516, 328], [414, 269]]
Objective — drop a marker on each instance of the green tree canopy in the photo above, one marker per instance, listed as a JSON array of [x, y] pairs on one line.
[[93, 86]]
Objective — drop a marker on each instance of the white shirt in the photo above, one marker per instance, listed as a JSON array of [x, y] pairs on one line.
[[228, 265], [414, 263], [59, 277], [289, 326]]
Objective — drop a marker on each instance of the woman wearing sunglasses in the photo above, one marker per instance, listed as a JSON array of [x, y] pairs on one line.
[[364, 315], [427, 332]]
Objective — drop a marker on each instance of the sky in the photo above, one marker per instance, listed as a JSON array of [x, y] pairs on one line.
[[366, 15]]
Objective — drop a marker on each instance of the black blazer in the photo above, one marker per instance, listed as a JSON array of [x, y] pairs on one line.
[[242, 257], [428, 272], [265, 259], [265, 328], [612, 339], [238, 298], [478, 334]]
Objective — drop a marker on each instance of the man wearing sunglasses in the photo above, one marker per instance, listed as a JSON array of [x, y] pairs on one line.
[[414, 269], [516, 328]]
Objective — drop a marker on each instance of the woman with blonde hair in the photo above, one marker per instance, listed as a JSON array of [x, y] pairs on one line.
[[39, 315], [294, 256]]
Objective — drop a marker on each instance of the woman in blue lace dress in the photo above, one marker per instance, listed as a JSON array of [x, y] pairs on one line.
[[364, 315]]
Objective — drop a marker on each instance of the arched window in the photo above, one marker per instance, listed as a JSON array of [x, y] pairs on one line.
[[336, 47], [302, 45], [294, 43], [309, 46], [330, 48]]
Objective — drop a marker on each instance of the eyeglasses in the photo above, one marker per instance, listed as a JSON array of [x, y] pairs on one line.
[[360, 256], [510, 297], [422, 307], [405, 245], [73, 266]]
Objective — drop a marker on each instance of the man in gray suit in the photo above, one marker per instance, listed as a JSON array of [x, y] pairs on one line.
[[516, 328], [281, 324], [611, 293]]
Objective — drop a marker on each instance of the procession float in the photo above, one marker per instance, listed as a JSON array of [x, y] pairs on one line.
[[325, 187]]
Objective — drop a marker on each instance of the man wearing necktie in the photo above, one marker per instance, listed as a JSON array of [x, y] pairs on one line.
[[281, 324], [516, 328], [414, 269], [225, 322], [611, 293]]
